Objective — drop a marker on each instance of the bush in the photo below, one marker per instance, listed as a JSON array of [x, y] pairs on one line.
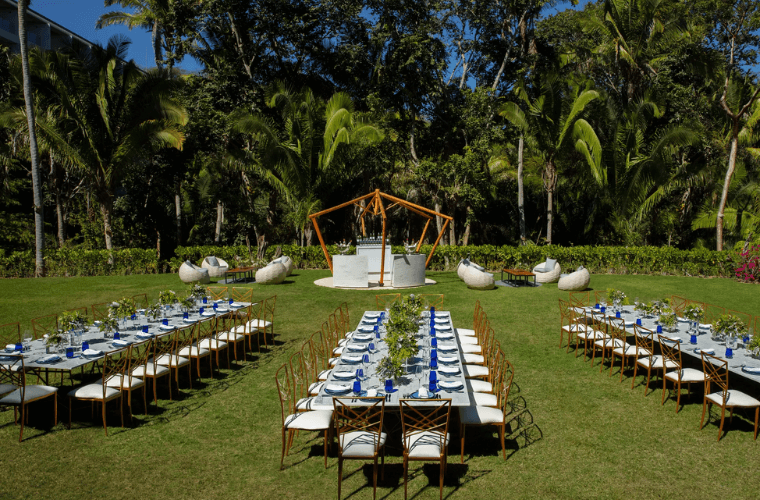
[[749, 265], [600, 259]]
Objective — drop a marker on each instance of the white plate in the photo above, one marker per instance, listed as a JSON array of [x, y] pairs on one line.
[[362, 337], [208, 314], [344, 375], [447, 359], [351, 359], [449, 370], [445, 335], [706, 351], [705, 326], [167, 327], [144, 336], [337, 388], [357, 348], [451, 385], [753, 370], [372, 315], [366, 329], [92, 353], [441, 321], [674, 340], [442, 328]]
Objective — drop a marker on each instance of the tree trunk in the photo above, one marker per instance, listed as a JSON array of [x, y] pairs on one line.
[[726, 184], [520, 192], [105, 211], [39, 220], [551, 174], [466, 238], [219, 221], [439, 221], [158, 244], [61, 223], [156, 40], [452, 233], [178, 212]]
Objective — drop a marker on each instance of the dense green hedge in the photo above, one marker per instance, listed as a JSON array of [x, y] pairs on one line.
[[619, 260]]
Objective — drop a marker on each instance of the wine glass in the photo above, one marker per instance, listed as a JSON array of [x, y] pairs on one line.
[[27, 339]]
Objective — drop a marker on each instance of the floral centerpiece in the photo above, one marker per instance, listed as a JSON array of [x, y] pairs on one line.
[[731, 325], [667, 317], [108, 325], [124, 308], [187, 303], [401, 336], [53, 338], [645, 308], [167, 297], [694, 312], [198, 291], [153, 311], [615, 296], [72, 320]]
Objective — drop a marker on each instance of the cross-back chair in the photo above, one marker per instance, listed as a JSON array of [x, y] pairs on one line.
[[713, 313], [114, 363], [125, 379], [44, 324], [579, 299], [616, 339], [242, 294], [140, 300], [171, 359], [568, 323], [346, 316], [10, 334], [716, 372], [247, 324], [218, 292], [228, 333], [386, 299], [671, 350], [425, 433], [155, 348], [433, 299], [625, 351], [490, 397], [15, 392], [212, 342], [476, 317], [359, 423], [317, 420], [678, 303], [101, 311], [193, 351], [652, 363]]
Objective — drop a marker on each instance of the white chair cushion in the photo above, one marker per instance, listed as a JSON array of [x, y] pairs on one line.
[[315, 387], [657, 362], [172, 360], [213, 344], [467, 332], [426, 444], [121, 382], [475, 415], [686, 375], [338, 351], [475, 371], [483, 399], [334, 361], [472, 348], [575, 327], [31, 393], [473, 359], [243, 329], [468, 340], [361, 443], [193, 351], [592, 335], [259, 323], [324, 375], [735, 398], [150, 370], [310, 420], [609, 342], [631, 350], [230, 337], [305, 404], [94, 391], [475, 385], [6, 388]]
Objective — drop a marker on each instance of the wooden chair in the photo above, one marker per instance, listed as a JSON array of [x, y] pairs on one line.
[[10, 334], [477, 314], [141, 300], [425, 433], [569, 323], [470, 416], [242, 294], [114, 363], [386, 299], [218, 292], [81, 310], [433, 299], [167, 351], [671, 350], [346, 316], [579, 299], [625, 351], [713, 313], [302, 366], [213, 343], [264, 322], [157, 347], [44, 324], [678, 303], [654, 362], [193, 351], [101, 311], [490, 384], [294, 421], [16, 393], [321, 357], [716, 371], [247, 321], [616, 338], [359, 422], [496, 377], [595, 330], [125, 380], [228, 333]]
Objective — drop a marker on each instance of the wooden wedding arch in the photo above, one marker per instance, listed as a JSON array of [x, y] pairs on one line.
[[375, 206]]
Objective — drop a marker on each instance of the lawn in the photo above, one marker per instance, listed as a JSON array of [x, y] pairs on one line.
[[584, 434]]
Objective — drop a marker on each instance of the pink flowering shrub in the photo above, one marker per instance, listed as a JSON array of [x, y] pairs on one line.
[[749, 265]]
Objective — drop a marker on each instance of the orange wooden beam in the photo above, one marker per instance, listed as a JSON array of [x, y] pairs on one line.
[[424, 230], [432, 250], [322, 241], [382, 249]]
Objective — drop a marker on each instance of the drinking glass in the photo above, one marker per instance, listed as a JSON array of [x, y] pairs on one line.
[[28, 339]]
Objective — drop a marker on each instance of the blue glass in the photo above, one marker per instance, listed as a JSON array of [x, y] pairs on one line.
[[432, 312], [85, 345], [382, 316], [69, 352], [433, 354], [185, 315], [617, 314], [604, 309], [377, 332], [432, 331], [365, 358], [215, 306], [371, 346], [745, 339], [388, 385], [145, 328], [596, 306], [201, 310], [433, 363], [729, 353], [134, 317], [378, 321], [434, 342], [433, 376], [638, 321], [659, 328], [357, 387], [359, 375], [116, 335], [693, 338], [19, 346], [165, 322], [231, 302], [205, 300], [432, 387]]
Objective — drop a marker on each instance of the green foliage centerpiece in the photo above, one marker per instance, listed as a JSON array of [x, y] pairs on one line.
[[167, 297], [124, 308], [731, 325], [153, 311], [198, 291], [667, 318], [615, 296], [694, 312], [72, 320], [401, 336]]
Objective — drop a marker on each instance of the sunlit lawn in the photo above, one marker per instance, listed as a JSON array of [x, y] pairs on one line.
[[592, 437]]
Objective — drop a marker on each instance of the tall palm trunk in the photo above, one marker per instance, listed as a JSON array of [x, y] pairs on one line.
[[106, 209], [219, 221], [551, 183], [727, 184], [520, 193], [39, 220], [178, 212], [156, 41]]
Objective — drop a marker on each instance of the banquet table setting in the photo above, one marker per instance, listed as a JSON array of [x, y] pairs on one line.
[[693, 337], [89, 344], [435, 372]]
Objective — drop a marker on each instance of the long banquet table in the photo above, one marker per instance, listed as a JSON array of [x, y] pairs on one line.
[[132, 334], [409, 382], [737, 364]]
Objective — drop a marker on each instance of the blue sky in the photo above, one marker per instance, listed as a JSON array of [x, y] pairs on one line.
[[80, 17]]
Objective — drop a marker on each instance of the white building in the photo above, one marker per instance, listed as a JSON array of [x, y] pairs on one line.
[[40, 30]]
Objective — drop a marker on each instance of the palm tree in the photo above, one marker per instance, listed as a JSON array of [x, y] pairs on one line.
[[114, 115], [299, 154], [39, 220], [553, 117], [149, 14]]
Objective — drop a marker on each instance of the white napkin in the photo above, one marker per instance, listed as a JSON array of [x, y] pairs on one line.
[[754, 370], [371, 393], [345, 375], [208, 313], [222, 309], [143, 335], [235, 304], [337, 388], [447, 348], [447, 359], [356, 347], [188, 320], [10, 347], [705, 326], [706, 351], [121, 343], [92, 353], [449, 370], [372, 315], [366, 329], [352, 359], [442, 314], [422, 392], [362, 336], [445, 335], [682, 320], [441, 321], [451, 384], [49, 359], [673, 340], [167, 327], [443, 328]]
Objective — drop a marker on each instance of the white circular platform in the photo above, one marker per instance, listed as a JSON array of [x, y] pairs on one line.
[[373, 285]]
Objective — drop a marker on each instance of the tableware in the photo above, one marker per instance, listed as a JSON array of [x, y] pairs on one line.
[[373, 315], [166, 328], [445, 336], [388, 385], [433, 363], [352, 360], [69, 352], [447, 348], [659, 328], [18, 346], [693, 338], [141, 336], [753, 370], [53, 358], [674, 340], [372, 393], [433, 343], [10, 348], [638, 321], [367, 329], [91, 353], [729, 353], [356, 347], [432, 331], [447, 360], [85, 345], [441, 321], [433, 376], [121, 343], [361, 337], [705, 351], [145, 328], [344, 374], [451, 385], [337, 389], [357, 387], [116, 335]]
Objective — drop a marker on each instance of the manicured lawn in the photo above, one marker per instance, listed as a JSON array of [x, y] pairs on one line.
[[592, 436]]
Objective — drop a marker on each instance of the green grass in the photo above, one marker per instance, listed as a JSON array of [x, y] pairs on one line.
[[593, 437]]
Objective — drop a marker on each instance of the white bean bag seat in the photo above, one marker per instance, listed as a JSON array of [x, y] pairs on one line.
[[273, 274], [543, 276], [216, 267], [190, 273], [285, 261], [578, 280], [477, 279], [462, 267]]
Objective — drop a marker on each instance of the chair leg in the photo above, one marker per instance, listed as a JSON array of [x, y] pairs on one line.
[[70, 403], [340, 474], [55, 409], [635, 370], [326, 430], [757, 414], [282, 457], [461, 437], [664, 388], [704, 408], [441, 480], [649, 376], [374, 479], [722, 417], [503, 448], [406, 473], [104, 417], [22, 409], [678, 397]]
